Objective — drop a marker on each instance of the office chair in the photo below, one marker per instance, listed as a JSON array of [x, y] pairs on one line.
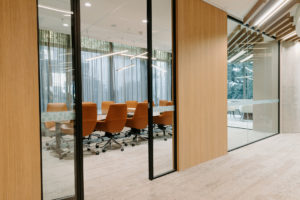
[[113, 124], [131, 104], [164, 120], [49, 128], [153, 104], [105, 106], [163, 102], [138, 122], [89, 121]]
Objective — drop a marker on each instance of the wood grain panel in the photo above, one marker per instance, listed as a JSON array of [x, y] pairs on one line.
[[202, 82], [19, 101]]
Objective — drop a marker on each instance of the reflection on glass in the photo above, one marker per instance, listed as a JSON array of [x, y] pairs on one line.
[[163, 116], [252, 86], [57, 99]]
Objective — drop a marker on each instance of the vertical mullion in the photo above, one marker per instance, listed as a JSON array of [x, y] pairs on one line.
[[150, 95], [76, 42]]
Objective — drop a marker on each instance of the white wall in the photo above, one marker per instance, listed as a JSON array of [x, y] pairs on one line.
[[290, 87]]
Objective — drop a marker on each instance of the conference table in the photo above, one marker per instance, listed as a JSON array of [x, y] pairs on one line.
[[156, 111]]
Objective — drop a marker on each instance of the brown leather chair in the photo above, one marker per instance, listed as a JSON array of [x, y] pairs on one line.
[[146, 101], [163, 102], [131, 104], [113, 124], [54, 107], [138, 122], [105, 106], [164, 120], [89, 121]]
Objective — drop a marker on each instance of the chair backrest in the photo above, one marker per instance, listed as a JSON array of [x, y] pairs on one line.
[[146, 101], [131, 104], [167, 117], [116, 118], [55, 107], [89, 118], [163, 102], [105, 106], [140, 117]]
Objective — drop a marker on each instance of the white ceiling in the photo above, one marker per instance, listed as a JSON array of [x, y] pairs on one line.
[[114, 20], [235, 8]]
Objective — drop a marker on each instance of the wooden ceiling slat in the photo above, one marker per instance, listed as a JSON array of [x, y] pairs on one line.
[[250, 38], [279, 22], [285, 34], [297, 38], [257, 15], [275, 17], [238, 28], [236, 37], [242, 38], [292, 38], [282, 32], [253, 10], [247, 45], [282, 27]]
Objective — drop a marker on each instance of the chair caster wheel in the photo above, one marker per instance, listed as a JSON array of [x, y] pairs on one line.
[[122, 149], [133, 145], [89, 143], [103, 150], [97, 153], [126, 144], [157, 135], [47, 144], [165, 139], [97, 146], [88, 149]]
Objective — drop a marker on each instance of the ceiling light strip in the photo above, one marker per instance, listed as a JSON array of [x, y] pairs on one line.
[[237, 56], [269, 13], [137, 56], [247, 58], [106, 55], [55, 9]]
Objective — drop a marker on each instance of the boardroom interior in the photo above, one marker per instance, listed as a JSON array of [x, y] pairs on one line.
[[114, 84], [115, 93]]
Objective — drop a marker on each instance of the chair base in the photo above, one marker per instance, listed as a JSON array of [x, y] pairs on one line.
[[137, 137], [109, 143]]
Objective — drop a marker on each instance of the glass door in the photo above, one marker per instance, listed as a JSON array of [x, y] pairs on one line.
[[57, 99]]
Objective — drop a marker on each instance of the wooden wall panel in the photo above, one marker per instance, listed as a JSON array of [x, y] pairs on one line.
[[19, 101], [201, 82]]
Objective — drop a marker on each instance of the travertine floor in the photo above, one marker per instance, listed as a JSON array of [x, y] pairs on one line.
[[265, 170]]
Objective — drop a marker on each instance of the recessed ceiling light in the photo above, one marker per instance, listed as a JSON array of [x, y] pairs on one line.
[[87, 4], [65, 25], [144, 21]]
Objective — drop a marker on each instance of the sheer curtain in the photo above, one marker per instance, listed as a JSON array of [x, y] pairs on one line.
[[105, 77], [56, 84]]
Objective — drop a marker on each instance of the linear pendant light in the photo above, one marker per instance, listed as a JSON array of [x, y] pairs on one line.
[[137, 56], [142, 57], [126, 67], [247, 58], [158, 68], [237, 56], [56, 9], [106, 55], [269, 13]]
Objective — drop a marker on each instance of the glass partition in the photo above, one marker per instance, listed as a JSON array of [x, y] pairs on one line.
[[162, 87], [56, 99], [252, 86]]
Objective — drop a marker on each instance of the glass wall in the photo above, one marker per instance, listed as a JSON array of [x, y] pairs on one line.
[[252, 85], [56, 99], [162, 74]]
